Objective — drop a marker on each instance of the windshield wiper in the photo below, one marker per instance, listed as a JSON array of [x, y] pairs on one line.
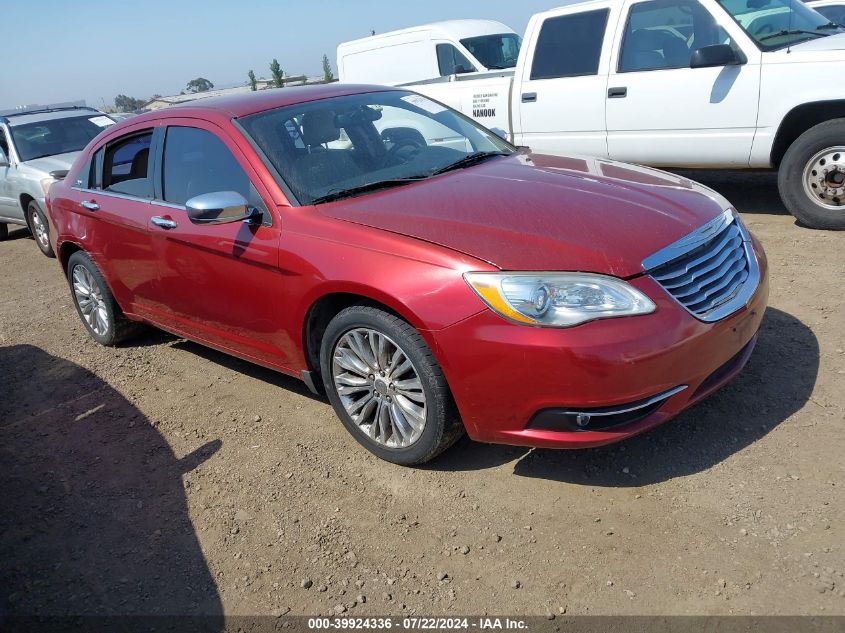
[[469, 159], [829, 25], [370, 186], [789, 32]]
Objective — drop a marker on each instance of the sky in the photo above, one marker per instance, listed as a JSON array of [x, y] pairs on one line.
[[97, 49]]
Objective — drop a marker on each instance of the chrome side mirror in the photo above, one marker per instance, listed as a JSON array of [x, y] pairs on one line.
[[221, 207]]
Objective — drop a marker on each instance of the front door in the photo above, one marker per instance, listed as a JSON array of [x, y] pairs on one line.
[[559, 103], [218, 281], [662, 112]]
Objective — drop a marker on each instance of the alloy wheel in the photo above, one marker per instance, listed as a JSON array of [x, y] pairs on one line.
[[40, 229], [89, 298], [379, 387]]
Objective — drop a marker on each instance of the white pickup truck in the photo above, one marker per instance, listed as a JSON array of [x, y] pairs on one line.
[[725, 84]]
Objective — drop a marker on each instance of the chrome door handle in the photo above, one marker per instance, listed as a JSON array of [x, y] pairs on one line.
[[90, 205], [163, 222]]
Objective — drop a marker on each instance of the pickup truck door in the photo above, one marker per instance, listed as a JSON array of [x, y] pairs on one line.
[[662, 112], [558, 99]]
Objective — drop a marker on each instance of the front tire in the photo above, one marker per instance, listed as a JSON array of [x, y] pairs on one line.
[[4, 231], [95, 303], [811, 177], [386, 386], [40, 228]]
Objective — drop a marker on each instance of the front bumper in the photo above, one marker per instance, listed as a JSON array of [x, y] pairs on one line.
[[503, 376]]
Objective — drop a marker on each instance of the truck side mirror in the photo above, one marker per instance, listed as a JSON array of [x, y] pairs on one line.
[[460, 69], [4, 161], [715, 55]]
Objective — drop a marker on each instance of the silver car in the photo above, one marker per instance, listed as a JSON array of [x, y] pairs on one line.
[[36, 148]]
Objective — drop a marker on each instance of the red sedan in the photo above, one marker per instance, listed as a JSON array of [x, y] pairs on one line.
[[427, 275]]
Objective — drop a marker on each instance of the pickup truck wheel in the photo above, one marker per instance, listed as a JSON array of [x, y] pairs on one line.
[[386, 386], [95, 303], [40, 228], [811, 177], [4, 231]]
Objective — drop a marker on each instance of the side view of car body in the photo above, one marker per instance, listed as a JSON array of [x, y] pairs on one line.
[[37, 147], [429, 283]]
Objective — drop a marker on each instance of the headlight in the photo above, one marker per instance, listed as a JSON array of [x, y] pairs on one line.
[[45, 184], [558, 299]]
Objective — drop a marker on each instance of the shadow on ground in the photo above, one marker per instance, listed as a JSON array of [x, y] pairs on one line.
[[776, 383], [748, 191], [94, 517]]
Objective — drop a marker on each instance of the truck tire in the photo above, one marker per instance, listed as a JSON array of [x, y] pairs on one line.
[[4, 231], [811, 177]]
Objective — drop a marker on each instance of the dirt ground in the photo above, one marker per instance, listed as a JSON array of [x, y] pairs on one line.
[[161, 477]]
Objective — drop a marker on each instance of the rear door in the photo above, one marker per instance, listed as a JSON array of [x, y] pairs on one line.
[[559, 97], [218, 282], [662, 112], [111, 204]]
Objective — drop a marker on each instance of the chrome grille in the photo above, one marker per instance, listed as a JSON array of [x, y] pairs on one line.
[[712, 272]]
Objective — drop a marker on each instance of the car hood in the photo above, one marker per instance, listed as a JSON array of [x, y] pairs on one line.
[[52, 163], [829, 43], [535, 212]]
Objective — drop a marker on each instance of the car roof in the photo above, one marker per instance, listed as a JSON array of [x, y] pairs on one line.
[[35, 116], [244, 104]]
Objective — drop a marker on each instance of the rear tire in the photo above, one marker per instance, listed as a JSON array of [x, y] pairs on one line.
[[811, 177], [4, 231], [95, 303], [40, 228], [403, 410]]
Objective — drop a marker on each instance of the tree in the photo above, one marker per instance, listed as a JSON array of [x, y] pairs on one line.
[[127, 104], [278, 74], [328, 75], [200, 84], [253, 82]]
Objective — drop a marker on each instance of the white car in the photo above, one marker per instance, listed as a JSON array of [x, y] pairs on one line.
[[726, 84]]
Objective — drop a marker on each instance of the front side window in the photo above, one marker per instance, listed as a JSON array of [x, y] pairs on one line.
[[126, 166], [4, 146], [56, 136], [835, 13], [663, 34], [774, 24], [198, 162], [451, 61], [354, 144], [570, 45], [495, 51]]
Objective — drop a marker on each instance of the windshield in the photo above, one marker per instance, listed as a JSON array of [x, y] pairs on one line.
[[359, 143], [56, 136], [776, 24], [495, 51]]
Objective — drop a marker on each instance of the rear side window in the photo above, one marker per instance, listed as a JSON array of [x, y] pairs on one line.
[[451, 61], [570, 45], [197, 162], [126, 166]]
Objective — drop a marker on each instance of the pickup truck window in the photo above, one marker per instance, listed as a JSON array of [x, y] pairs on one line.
[[452, 62], [662, 34], [774, 24], [570, 45], [496, 52], [834, 12]]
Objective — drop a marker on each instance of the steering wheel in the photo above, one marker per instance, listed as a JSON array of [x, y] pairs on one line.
[[766, 27], [403, 151]]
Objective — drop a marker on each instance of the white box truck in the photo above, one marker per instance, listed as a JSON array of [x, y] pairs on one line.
[[725, 84]]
